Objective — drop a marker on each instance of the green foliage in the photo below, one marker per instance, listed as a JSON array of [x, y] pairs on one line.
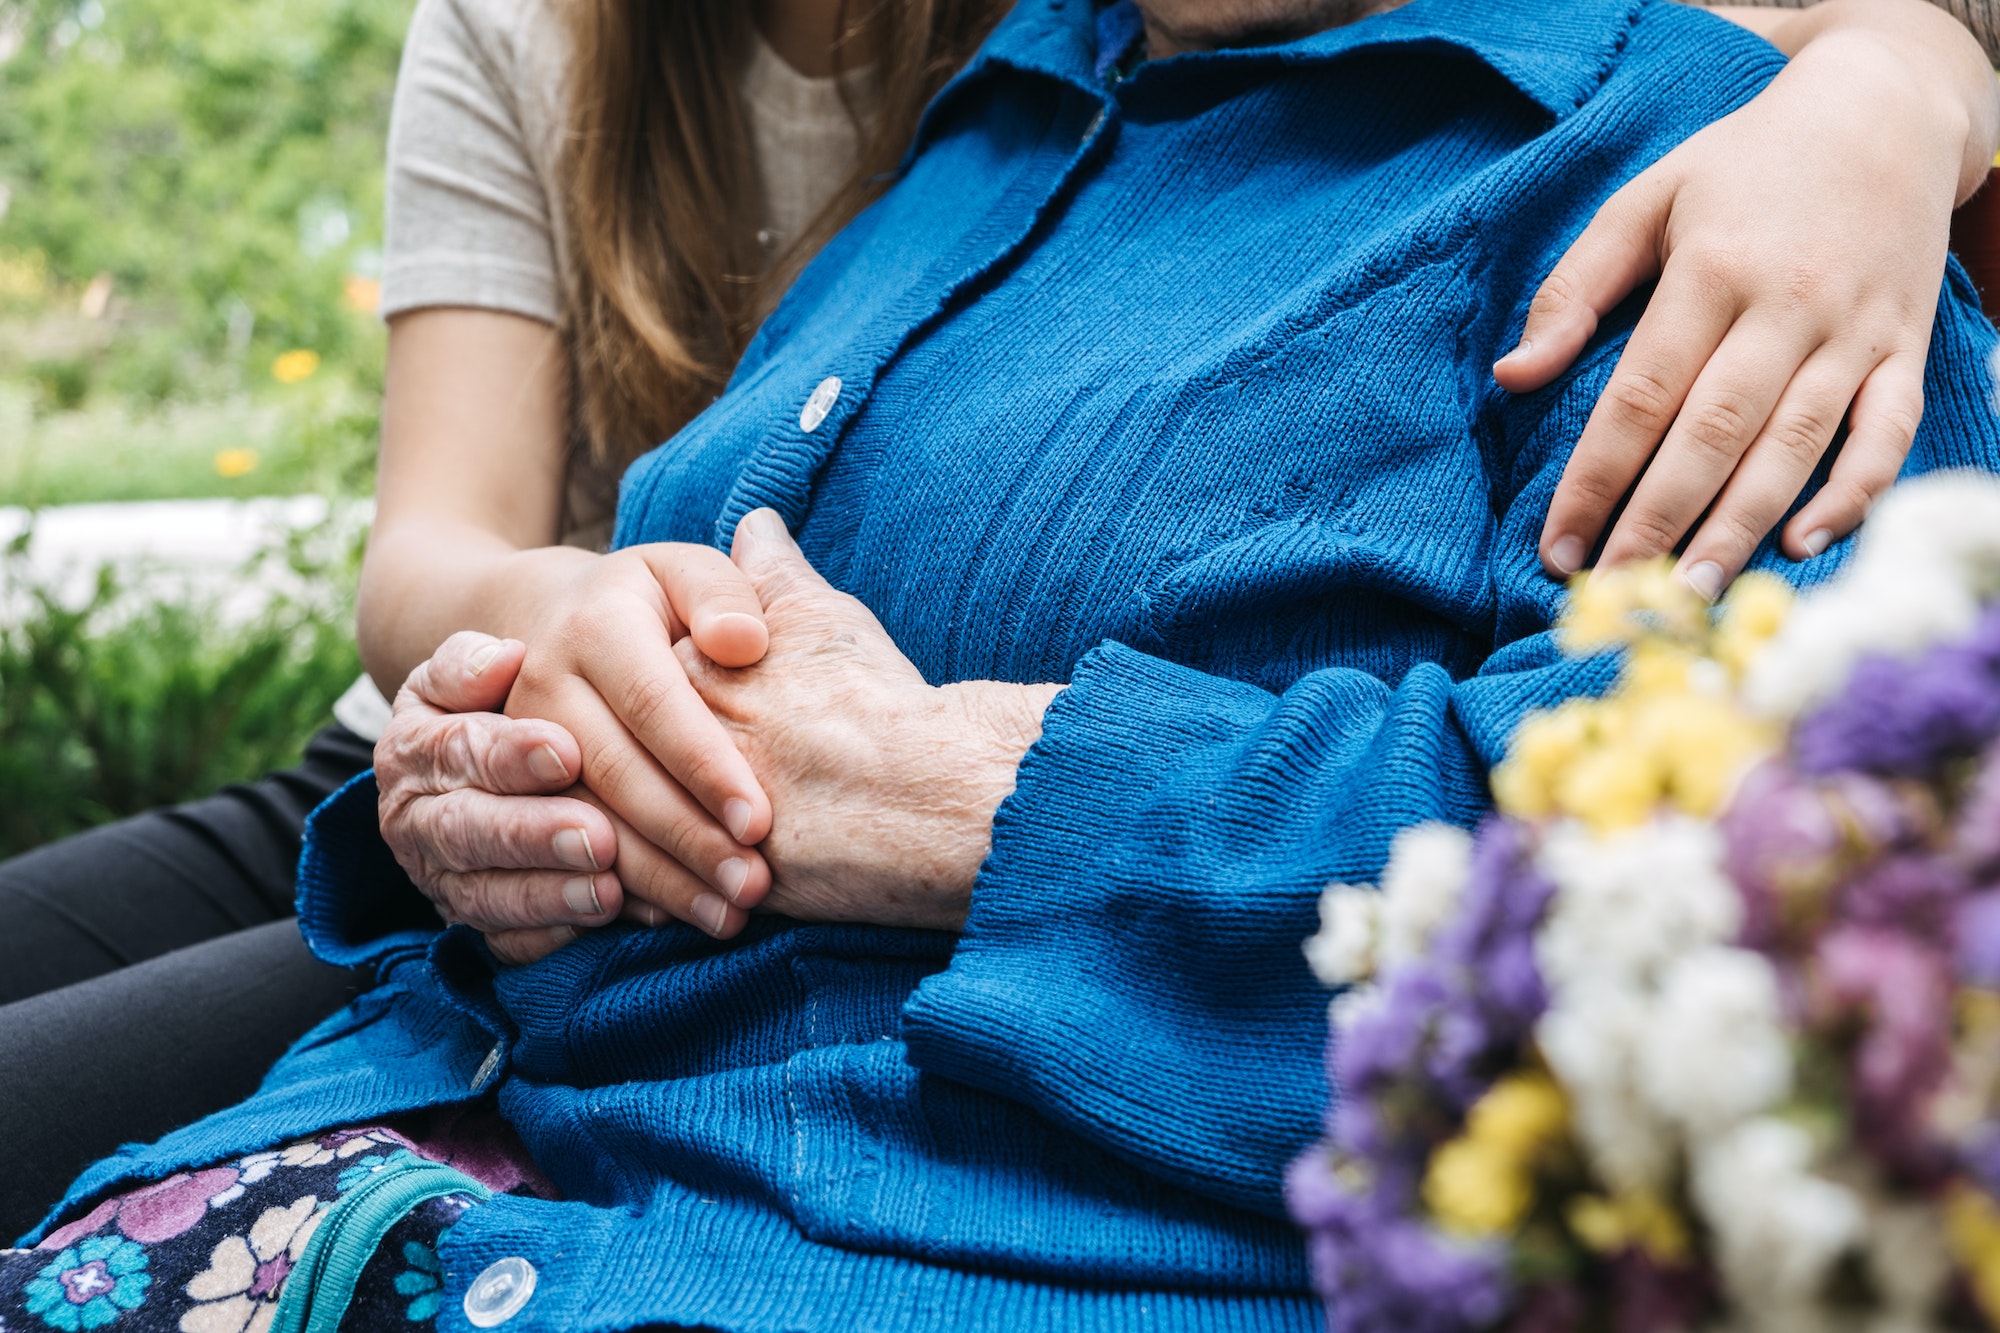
[[189, 191], [194, 187], [124, 704]]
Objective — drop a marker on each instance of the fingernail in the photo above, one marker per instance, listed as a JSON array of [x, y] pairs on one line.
[[736, 817], [1705, 577], [484, 657], [1567, 555], [572, 847], [745, 622], [580, 894], [547, 765], [731, 876], [774, 527], [562, 935], [711, 911], [1817, 541], [1521, 349]]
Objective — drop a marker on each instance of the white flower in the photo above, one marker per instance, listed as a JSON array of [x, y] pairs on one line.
[[1344, 950], [1591, 1037], [1353, 1005], [1715, 1052], [1779, 1229], [1429, 865], [1927, 558], [1363, 930], [1628, 904]]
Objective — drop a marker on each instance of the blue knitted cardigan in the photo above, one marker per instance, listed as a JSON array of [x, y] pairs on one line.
[[1175, 389]]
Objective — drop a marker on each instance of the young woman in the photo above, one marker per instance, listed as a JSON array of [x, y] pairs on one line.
[[591, 205]]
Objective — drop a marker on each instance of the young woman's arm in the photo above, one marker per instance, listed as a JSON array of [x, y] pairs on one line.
[[1798, 246], [468, 499]]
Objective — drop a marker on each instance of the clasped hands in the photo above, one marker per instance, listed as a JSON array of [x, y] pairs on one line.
[[695, 737]]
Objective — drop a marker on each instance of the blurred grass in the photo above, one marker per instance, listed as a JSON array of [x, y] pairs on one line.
[[121, 705], [321, 441]]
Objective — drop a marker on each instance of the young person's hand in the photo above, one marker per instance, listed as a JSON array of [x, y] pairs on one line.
[[1799, 245], [686, 809]]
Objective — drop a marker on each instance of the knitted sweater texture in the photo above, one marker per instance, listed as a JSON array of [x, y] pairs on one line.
[[1173, 389]]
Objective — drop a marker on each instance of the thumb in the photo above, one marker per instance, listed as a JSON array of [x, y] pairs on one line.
[[777, 568], [1618, 250], [469, 673]]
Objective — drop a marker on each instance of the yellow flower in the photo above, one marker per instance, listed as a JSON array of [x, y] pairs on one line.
[[1706, 745], [1639, 1218], [1482, 1183], [1613, 786], [295, 365], [1972, 1232], [1547, 743], [1521, 1113], [1477, 1188], [1751, 615], [1613, 606], [362, 294], [235, 462], [1671, 732]]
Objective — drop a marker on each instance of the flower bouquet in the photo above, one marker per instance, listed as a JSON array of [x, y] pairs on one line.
[[1702, 1029]]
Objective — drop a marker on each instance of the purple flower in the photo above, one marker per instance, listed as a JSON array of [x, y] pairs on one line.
[[1979, 940], [1976, 836], [1782, 838], [1900, 988], [1382, 1272], [1420, 1049], [1979, 1154], [1916, 893], [1906, 717]]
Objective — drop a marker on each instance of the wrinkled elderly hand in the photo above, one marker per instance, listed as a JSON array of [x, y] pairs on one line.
[[883, 787], [468, 805], [1799, 245]]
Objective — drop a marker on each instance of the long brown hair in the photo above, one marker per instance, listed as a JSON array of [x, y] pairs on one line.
[[661, 188]]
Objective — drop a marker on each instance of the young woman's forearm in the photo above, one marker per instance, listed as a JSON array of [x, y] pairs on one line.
[[1937, 51], [426, 580], [469, 491]]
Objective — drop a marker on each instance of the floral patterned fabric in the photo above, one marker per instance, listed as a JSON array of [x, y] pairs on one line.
[[209, 1251]]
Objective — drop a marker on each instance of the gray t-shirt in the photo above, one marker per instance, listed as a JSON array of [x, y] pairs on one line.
[[473, 147], [473, 203]]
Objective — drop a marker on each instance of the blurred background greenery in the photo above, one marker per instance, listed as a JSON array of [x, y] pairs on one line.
[[190, 215]]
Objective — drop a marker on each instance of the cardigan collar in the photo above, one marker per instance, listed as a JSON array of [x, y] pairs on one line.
[[1555, 54]]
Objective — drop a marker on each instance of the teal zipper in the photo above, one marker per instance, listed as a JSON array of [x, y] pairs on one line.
[[321, 1285]]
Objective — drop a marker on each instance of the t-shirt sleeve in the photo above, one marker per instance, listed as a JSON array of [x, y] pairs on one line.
[[468, 213], [1981, 16]]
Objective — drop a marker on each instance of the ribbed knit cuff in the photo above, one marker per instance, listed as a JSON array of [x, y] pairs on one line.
[[356, 906], [1088, 982]]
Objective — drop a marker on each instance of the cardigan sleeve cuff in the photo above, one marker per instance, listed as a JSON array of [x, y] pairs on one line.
[[1098, 979], [356, 906]]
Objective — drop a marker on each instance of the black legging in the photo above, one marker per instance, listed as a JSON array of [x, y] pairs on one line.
[[150, 972]]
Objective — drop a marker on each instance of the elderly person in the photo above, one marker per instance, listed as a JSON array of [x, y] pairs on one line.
[[1161, 548]]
